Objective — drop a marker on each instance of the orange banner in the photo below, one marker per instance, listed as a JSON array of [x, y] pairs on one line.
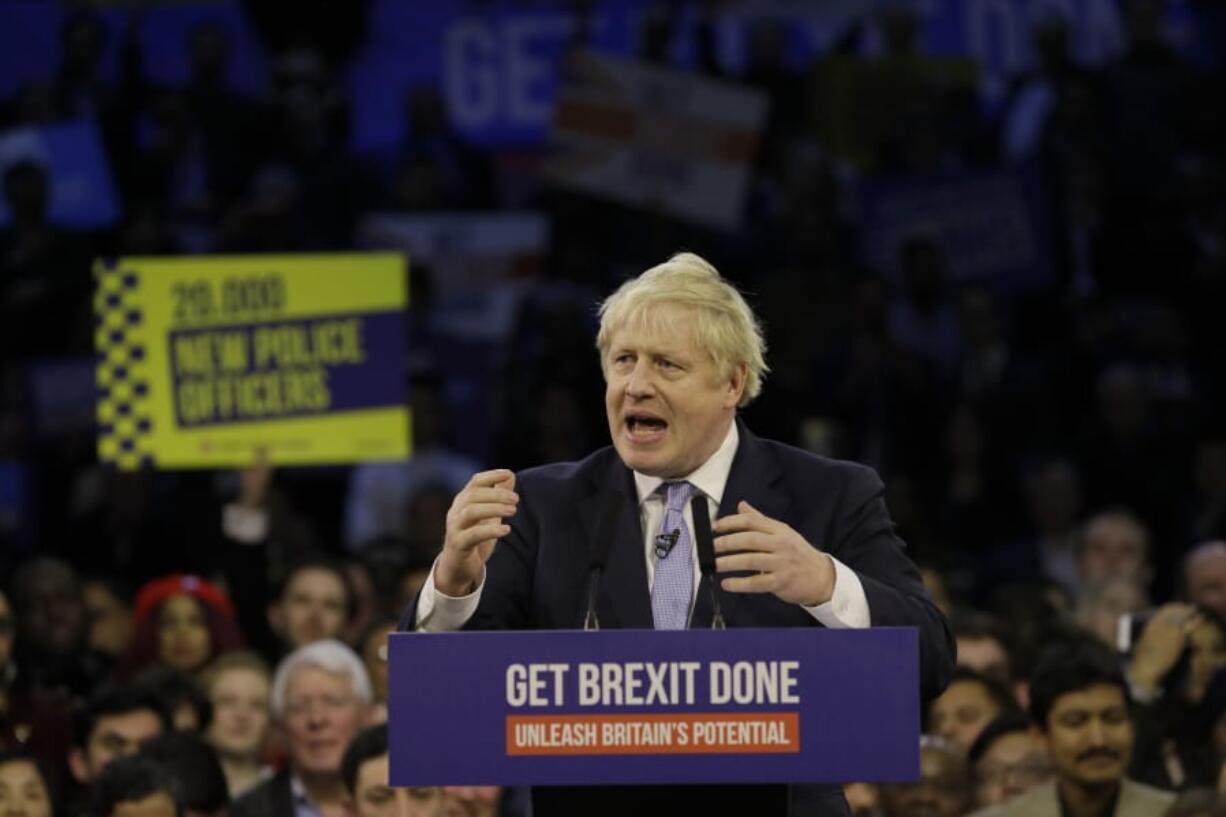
[[655, 734]]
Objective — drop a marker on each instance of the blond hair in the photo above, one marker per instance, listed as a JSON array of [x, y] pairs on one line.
[[724, 325]]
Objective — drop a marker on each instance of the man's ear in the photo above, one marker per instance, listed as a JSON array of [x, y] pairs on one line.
[[78, 765], [736, 385]]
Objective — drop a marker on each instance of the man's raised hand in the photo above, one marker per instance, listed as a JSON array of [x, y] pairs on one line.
[[475, 522]]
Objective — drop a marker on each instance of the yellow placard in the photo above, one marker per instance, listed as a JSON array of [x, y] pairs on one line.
[[213, 361]]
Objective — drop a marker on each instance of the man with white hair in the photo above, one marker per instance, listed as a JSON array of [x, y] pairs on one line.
[[321, 696], [801, 540]]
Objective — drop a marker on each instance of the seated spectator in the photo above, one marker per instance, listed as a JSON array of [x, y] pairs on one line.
[[1179, 651], [374, 655], [113, 723], [366, 772], [201, 784], [181, 695], [238, 686], [944, 787], [1103, 604], [23, 790], [864, 799], [1204, 577], [1114, 544], [109, 608], [1080, 704], [136, 787], [182, 622], [313, 603], [1007, 760], [968, 704], [51, 646], [30, 722], [981, 646], [320, 697]]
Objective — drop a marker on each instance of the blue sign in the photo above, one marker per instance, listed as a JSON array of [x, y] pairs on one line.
[[991, 225], [644, 707]]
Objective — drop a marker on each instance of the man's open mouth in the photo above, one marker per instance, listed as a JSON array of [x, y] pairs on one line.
[[644, 424]]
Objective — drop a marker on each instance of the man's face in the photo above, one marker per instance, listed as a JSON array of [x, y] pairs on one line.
[[1113, 548], [1207, 580], [373, 797], [961, 712], [119, 736], [22, 790], [1012, 765], [667, 405], [313, 606], [52, 613], [1089, 735], [240, 713], [322, 714]]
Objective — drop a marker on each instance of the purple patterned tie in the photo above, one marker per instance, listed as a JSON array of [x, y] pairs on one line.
[[674, 579]]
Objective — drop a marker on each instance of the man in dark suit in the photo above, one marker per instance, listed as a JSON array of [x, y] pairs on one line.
[[800, 540]]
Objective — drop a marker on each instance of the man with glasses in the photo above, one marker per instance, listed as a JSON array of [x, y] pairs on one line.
[[321, 697], [1008, 759]]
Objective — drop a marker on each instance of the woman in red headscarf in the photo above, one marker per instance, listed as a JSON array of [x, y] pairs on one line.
[[182, 622]]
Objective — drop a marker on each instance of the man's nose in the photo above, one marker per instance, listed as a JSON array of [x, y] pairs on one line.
[[639, 383]]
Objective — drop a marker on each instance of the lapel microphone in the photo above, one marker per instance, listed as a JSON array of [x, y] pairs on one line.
[[606, 532], [705, 545]]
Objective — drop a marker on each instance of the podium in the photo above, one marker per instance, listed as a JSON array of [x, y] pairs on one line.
[[623, 707]]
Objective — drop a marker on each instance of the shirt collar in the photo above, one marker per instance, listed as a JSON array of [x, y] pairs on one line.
[[711, 477]]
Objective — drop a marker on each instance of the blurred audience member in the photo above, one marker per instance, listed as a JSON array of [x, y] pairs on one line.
[[181, 622], [944, 787], [968, 704], [1198, 803], [864, 799], [1007, 759], [110, 616], [1204, 577], [239, 686], [136, 787], [51, 639], [181, 695], [374, 655], [320, 697], [1114, 545], [981, 646], [113, 723], [313, 604], [23, 790], [200, 782], [365, 769], [1103, 604]]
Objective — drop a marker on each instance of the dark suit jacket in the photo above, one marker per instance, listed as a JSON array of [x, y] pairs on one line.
[[272, 798], [537, 576]]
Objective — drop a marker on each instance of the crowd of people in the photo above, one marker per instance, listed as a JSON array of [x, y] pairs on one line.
[[1054, 454]]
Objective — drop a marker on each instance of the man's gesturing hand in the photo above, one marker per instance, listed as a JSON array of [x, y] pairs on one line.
[[474, 524], [785, 563]]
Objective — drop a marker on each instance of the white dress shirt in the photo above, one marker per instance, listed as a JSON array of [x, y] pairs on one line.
[[847, 608]]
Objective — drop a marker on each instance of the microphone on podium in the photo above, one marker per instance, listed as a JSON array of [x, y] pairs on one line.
[[606, 530], [706, 555]]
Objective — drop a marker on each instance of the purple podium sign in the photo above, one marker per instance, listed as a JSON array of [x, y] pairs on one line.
[[643, 706]]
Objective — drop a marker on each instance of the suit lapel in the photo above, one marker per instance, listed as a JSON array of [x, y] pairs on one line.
[[623, 600], [752, 478]]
